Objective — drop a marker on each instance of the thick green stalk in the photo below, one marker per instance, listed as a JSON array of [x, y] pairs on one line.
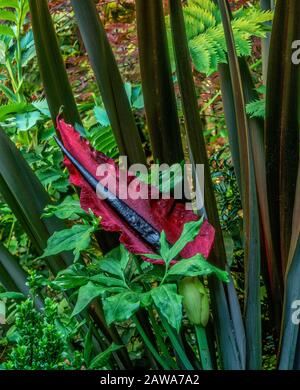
[[157, 83], [160, 342], [51, 65], [149, 345], [109, 80], [203, 348], [174, 337]]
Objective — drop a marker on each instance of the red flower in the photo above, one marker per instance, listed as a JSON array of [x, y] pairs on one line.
[[162, 214]]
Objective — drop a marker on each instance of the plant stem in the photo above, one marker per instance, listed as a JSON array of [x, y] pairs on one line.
[[18, 48], [149, 345], [159, 339], [176, 344], [156, 329], [203, 347]]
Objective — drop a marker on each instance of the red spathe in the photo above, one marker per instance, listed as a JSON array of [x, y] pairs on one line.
[[162, 214]]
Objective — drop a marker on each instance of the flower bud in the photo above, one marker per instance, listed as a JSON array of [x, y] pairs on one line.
[[195, 300]]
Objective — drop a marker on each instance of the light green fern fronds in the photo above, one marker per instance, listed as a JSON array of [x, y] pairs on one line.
[[257, 109], [206, 35]]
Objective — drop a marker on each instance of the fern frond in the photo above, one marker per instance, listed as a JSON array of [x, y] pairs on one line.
[[208, 49], [197, 20], [256, 109], [7, 16], [205, 4], [102, 139], [206, 36], [9, 4], [6, 30], [12, 108]]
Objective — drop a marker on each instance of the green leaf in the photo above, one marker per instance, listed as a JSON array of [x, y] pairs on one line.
[[7, 16], [146, 299], [115, 262], [48, 175], [102, 359], [86, 295], [72, 277], [88, 346], [111, 266], [11, 295], [2, 313], [101, 116], [2, 54], [164, 248], [6, 30], [168, 302], [139, 103], [68, 209], [42, 106], [27, 120], [8, 92], [51, 64], [189, 233], [197, 266], [256, 109], [108, 281], [9, 4], [152, 256], [120, 307], [77, 239]]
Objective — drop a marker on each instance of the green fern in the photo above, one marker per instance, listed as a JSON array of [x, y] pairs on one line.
[[256, 109], [12, 108], [206, 36], [102, 139]]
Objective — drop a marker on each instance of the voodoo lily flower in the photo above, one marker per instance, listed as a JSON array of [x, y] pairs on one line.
[[139, 220]]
